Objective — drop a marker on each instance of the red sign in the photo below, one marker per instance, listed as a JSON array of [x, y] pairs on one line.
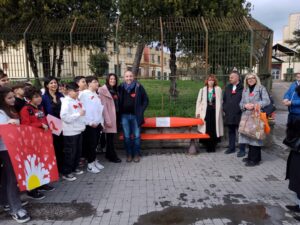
[[32, 155]]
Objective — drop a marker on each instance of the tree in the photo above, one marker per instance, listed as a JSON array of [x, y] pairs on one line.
[[98, 63], [295, 42], [139, 10], [43, 12]]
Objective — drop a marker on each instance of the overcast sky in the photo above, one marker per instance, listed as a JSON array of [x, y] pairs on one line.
[[274, 13]]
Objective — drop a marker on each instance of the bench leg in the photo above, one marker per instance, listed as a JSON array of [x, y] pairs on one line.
[[193, 148]]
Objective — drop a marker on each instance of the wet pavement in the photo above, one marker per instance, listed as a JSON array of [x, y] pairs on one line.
[[169, 187]]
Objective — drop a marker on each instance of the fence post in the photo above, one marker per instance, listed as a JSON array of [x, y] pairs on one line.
[[162, 59], [206, 45], [251, 42], [71, 43], [25, 48], [117, 47]]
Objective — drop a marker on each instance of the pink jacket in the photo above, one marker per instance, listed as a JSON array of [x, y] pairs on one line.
[[109, 111]]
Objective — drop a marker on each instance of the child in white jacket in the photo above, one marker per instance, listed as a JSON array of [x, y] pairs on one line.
[[93, 121], [73, 124]]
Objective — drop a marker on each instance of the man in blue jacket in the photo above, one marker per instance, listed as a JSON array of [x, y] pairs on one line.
[[133, 101], [292, 99]]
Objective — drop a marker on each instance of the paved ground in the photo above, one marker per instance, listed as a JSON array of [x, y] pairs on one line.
[[169, 187]]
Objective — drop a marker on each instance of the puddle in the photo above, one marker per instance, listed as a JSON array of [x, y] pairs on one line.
[[251, 213], [57, 211]]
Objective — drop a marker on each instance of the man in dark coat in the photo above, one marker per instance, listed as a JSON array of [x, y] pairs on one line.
[[133, 101], [293, 163], [231, 100]]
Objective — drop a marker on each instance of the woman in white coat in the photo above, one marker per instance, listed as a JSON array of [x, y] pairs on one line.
[[209, 109]]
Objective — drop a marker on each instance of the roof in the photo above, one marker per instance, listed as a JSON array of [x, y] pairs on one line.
[[284, 49], [277, 60]]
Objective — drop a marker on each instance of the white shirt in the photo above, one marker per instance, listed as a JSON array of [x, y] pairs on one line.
[[93, 106]]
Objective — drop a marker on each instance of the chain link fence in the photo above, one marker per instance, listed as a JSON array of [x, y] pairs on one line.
[[170, 56]]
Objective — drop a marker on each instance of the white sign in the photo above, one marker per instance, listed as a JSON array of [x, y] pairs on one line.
[[55, 124], [163, 122]]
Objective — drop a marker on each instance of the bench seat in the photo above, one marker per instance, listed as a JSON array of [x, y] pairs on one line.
[[171, 136]]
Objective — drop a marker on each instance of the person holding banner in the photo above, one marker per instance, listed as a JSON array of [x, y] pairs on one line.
[[52, 105], [32, 114], [9, 192]]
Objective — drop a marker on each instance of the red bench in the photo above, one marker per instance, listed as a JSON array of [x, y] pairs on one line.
[[173, 122]]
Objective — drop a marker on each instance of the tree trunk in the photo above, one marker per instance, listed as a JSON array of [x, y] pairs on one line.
[[53, 69], [137, 59], [32, 62], [173, 91], [46, 59], [60, 58]]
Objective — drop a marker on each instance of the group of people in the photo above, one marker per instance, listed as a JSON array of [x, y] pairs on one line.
[[87, 111], [238, 99]]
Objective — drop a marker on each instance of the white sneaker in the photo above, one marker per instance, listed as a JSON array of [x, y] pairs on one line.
[[98, 165], [78, 171], [69, 177], [92, 168]]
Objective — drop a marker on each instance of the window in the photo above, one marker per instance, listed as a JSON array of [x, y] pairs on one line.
[[158, 75], [129, 54], [75, 63], [5, 66], [165, 61], [115, 47], [118, 69], [158, 59], [152, 58], [165, 76], [153, 73]]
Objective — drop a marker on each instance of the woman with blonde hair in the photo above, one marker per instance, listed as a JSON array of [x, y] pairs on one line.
[[254, 95], [209, 109]]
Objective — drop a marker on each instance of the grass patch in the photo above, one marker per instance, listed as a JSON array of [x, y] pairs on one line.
[[160, 103]]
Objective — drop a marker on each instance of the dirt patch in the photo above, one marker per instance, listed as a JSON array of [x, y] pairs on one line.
[[233, 198], [271, 178], [57, 211], [182, 197], [165, 204], [251, 213]]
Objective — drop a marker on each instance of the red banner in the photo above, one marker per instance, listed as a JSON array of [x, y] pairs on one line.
[[32, 155]]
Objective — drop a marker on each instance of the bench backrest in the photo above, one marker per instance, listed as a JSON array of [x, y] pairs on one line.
[[154, 122]]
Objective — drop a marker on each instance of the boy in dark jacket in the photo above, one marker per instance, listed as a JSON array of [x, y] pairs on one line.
[[133, 101]]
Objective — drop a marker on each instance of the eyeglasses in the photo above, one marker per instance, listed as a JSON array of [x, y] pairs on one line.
[[251, 78]]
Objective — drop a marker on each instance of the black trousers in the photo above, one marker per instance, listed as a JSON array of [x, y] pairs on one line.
[[72, 153], [9, 191], [254, 153], [232, 136], [110, 153], [90, 140], [58, 142]]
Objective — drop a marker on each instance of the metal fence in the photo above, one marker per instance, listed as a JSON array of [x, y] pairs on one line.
[[188, 48], [185, 49]]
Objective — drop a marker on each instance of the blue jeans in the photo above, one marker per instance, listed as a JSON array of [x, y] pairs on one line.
[[131, 129]]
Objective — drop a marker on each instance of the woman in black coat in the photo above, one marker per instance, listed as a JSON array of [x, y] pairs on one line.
[[293, 164]]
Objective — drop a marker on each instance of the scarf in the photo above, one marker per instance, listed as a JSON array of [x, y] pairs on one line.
[[251, 88], [129, 87]]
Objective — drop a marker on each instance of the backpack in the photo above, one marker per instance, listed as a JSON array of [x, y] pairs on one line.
[[268, 109]]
